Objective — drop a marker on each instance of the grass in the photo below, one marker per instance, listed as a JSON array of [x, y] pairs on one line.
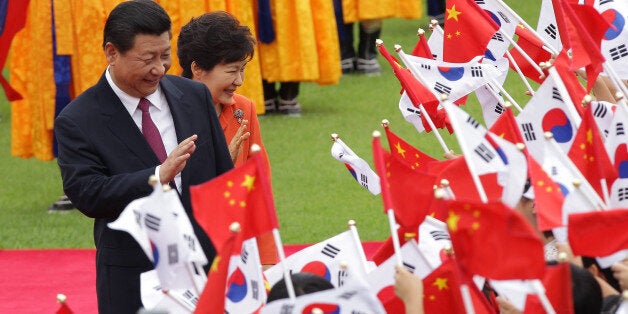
[[314, 194]]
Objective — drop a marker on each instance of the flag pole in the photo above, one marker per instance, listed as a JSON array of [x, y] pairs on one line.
[[540, 292], [503, 91], [419, 77], [284, 268], [446, 188], [358, 243], [562, 89], [519, 72], [454, 122]]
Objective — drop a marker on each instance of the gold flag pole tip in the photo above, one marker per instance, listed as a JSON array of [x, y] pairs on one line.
[[334, 136], [439, 194], [379, 42], [255, 148], [420, 32], [520, 146], [562, 257], [385, 123], [317, 311], [397, 47], [61, 298], [624, 295], [166, 188], [444, 182], [377, 133], [351, 223], [344, 265], [152, 180], [548, 135], [235, 227]]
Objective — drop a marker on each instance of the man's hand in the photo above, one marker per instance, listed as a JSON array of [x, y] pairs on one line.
[[177, 159]]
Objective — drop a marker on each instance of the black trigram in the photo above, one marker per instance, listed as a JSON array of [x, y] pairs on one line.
[[622, 194], [409, 267], [138, 217], [286, 309], [504, 16], [600, 110], [415, 111], [484, 153], [173, 254], [499, 108], [426, 66], [528, 132], [551, 30], [618, 52], [364, 180], [480, 2], [442, 89], [556, 94], [605, 1], [554, 171], [434, 56], [152, 222], [342, 274], [347, 295], [498, 37], [190, 241], [476, 71], [330, 250], [188, 295], [619, 129], [439, 235], [255, 289], [244, 255], [472, 122]]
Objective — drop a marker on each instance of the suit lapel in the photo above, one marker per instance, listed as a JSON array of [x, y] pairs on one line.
[[121, 125]]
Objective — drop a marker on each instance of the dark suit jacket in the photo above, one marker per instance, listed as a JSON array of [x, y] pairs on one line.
[[106, 162]]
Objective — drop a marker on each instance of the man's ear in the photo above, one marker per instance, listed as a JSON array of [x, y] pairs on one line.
[[111, 53]]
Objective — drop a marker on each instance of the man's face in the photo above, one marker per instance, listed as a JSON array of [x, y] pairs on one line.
[[138, 71]]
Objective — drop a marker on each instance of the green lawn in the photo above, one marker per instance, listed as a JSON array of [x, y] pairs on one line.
[[314, 194]]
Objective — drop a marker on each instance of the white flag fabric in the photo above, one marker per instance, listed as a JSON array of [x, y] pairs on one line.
[[617, 148], [514, 177], [546, 112], [436, 42], [131, 220], [245, 291], [547, 27], [603, 112], [614, 43], [454, 79], [358, 167], [411, 113], [507, 23], [324, 259], [515, 291], [349, 299], [433, 239], [174, 301]]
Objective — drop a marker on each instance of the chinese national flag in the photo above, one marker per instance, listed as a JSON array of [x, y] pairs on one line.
[[506, 127], [240, 195], [493, 240], [64, 309], [468, 29], [212, 299], [547, 196], [417, 92], [422, 49], [529, 43], [588, 154], [600, 233], [572, 83], [408, 192], [557, 283], [414, 158]]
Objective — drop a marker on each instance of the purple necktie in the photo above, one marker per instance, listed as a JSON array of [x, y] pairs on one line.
[[150, 131]]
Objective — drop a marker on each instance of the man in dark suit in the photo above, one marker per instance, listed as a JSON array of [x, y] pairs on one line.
[[105, 159]]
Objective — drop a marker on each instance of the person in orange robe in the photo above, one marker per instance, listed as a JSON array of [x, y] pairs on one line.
[[214, 49]]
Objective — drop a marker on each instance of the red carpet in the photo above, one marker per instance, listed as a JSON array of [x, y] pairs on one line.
[[31, 279]]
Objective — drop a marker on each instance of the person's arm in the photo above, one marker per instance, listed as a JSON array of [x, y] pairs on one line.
[[620, 272], [409, 288]]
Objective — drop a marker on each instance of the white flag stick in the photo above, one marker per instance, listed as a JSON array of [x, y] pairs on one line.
[[503, 91], [358, 243], [466, 299], [393, 233], [177, 299], [284, 267], [465, 153], [523, 53], [519, 72], [416, 73], [197, 275], [540, 292]]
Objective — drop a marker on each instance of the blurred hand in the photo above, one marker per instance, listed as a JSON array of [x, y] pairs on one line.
[[177, 159], [505, 307], [235, 147], [409, 288], [620, 272]]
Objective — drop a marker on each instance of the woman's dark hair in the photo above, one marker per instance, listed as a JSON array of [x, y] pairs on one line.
[[132, 18], [211, 39], [303, 283]]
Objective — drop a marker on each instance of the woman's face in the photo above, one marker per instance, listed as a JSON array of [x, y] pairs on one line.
[[222, 81]]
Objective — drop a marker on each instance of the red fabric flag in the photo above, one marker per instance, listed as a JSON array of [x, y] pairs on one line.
[[408, 192], [570, 80], [14, 21], [468, 29], [422, 49], [417, 92], [533, 46], [241, 194], [493, 241], [548, 197], [506, 127], [414, 158], [442, 294], [588, 154], [212, 299], [64, 308], [557, 283], [600, 233]]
